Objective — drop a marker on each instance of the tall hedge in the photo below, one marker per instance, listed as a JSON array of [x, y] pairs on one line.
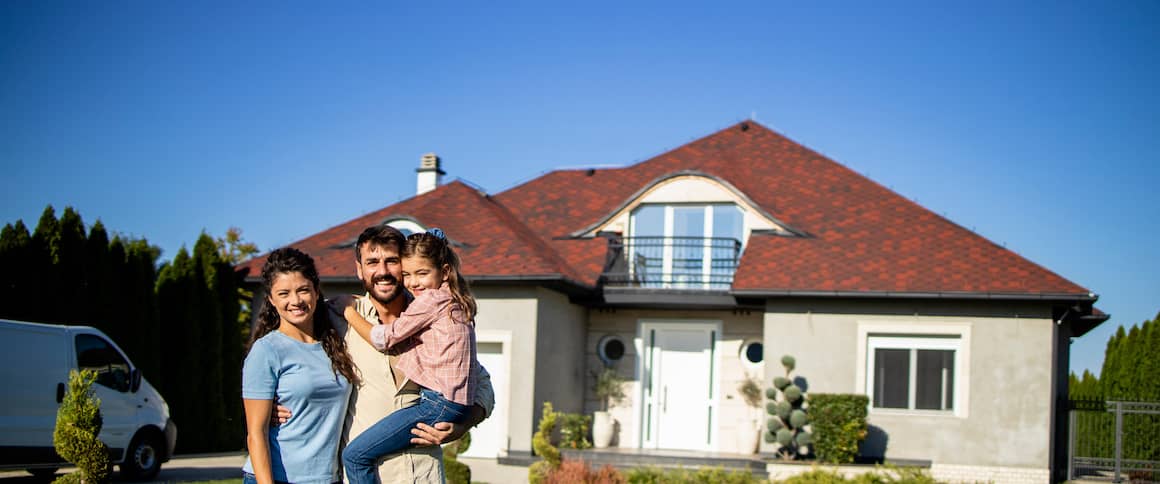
[[59, 273], [839, 425]]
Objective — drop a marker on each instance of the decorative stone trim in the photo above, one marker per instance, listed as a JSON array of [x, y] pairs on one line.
[[997, 475]]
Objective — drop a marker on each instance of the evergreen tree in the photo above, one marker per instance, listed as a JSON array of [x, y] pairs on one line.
[[17, 259], [179, 299], [43, 273], [72, 269], [209, 320], [101, 291], [139, 281]]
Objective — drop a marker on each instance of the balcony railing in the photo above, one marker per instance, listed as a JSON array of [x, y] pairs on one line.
[[706, 263]]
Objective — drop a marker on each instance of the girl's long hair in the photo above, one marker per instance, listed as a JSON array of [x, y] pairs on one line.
[[436, 249], [289, 260]]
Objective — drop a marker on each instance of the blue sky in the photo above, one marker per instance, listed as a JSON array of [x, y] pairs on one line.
[[1033, 123]]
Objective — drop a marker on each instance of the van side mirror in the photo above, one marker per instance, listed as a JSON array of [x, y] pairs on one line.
[[134, 380]]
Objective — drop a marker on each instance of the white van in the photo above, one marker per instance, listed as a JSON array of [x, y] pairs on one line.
[[35, 360]]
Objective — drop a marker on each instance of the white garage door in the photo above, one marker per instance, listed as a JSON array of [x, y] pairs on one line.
[[491, 435]]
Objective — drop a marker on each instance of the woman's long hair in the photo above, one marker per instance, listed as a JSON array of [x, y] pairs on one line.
[[434, 247], [289, 260]]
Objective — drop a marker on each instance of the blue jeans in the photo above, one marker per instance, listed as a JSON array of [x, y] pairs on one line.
[[248, 478], [393, 434]]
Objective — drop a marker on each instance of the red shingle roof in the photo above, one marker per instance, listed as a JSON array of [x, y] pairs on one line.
[[861, 237]]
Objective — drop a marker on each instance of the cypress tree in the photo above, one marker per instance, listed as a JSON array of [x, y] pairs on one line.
[[15, 282], [232, 350], [140, 280], [181, 332], [43, 273], [209, 320], [1110, 372], [73, 292], [101, 292]]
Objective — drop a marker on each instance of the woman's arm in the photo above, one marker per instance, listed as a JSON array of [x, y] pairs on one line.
[[257, 437]]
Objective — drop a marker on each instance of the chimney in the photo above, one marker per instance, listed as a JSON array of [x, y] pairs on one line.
[[429, 174]]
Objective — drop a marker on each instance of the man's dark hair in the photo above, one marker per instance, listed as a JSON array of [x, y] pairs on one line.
[[382, 234]]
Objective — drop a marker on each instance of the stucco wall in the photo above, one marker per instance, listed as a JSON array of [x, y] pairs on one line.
[[513, 310], [736, 327], [559, 356], [1008, 408]]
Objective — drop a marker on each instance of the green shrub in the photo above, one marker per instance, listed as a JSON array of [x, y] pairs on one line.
[[542, 445], [702, 475], [457, 472], [78, 422], [880, 475], [839, 424], [574, 430]]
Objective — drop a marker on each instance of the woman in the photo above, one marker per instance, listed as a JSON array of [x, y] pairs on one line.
[[298, 360]]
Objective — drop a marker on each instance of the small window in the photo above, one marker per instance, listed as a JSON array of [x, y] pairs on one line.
[[610, 349], [912, 373], [407, 227], [752, 352], [94, 353]]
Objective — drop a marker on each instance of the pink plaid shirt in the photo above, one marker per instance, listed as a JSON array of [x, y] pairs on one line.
[[443, 359]]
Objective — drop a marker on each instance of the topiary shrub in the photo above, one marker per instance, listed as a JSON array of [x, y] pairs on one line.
[[542, 445], [78, 422], [786, 427], [457, 472], [839, 425]]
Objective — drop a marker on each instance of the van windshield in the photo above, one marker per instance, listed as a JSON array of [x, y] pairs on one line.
[[94, 353]]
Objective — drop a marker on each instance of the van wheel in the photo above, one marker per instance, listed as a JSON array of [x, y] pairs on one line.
[[143, 459], [43, 474]]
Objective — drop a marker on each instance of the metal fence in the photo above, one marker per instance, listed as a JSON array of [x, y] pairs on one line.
[[672, 262], [1114, 440]]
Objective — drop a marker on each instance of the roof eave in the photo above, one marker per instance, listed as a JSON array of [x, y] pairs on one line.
[[1068, 297]]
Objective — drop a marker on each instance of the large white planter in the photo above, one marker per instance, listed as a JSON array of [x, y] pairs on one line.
[[602, 426], [748, 437]]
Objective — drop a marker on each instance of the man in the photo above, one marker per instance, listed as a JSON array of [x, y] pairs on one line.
[[382, 389]]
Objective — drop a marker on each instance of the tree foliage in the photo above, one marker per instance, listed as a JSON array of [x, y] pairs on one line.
[[188, 310], [78, 422]]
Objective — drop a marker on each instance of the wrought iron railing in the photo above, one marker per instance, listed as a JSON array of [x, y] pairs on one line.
[[1114, 440], [706, 263]]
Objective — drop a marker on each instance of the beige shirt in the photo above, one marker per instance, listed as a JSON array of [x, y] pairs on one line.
[[378, 395]]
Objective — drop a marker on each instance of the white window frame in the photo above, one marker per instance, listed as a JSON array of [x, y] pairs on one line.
[[706, 233], [932, 335]]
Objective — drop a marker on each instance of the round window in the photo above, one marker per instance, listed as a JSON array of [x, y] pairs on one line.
[[753, 352], [610, 349]]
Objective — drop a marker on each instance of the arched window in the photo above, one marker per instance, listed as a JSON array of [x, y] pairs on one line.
[[407, 227]]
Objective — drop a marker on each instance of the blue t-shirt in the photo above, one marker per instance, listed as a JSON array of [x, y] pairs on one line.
[[304, 449]]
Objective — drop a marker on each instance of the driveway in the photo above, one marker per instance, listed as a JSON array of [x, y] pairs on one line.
[[183, 468]]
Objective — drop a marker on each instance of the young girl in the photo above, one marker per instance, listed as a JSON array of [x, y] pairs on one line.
[[435, 341], [297, 358]]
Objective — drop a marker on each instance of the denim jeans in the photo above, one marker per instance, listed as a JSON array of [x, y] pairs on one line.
[[248, 478], [393, 434]]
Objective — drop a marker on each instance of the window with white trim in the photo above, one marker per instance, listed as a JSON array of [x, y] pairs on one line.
[[685, 245], [914, 372]]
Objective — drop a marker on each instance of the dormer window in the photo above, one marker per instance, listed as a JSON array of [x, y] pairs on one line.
[[407, 227], [685, 245]]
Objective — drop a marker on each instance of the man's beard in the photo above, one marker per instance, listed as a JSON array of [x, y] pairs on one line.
[[370, 288]]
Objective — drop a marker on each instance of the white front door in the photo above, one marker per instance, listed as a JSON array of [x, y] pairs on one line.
[[490, 436], [680, 399]]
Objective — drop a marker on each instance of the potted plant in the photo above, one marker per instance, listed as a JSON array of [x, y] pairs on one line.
[[609, 389], [749, 431]]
